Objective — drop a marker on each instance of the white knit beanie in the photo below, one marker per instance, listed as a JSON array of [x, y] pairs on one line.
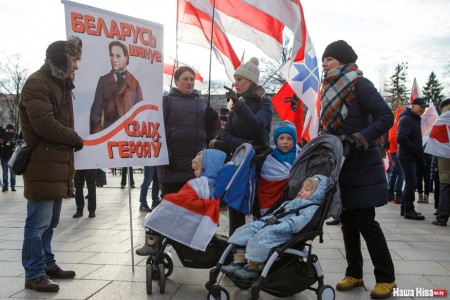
[[249, 70]]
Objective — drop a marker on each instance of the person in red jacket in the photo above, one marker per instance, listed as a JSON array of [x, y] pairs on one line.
[[397, 178]]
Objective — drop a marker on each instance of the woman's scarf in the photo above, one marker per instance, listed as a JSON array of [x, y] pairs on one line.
[[338, 95]]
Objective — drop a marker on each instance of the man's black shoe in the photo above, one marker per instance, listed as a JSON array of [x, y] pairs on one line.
[[144, 207], [413, 215], [78, 214], [5, 189], [439, 223], [91, 214]]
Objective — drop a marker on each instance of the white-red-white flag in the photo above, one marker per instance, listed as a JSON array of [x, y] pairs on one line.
[[439, 142], [195, 27], [251, 24], [189, 216], [170, 65], [288, 12], [415, 91], [426, 123]]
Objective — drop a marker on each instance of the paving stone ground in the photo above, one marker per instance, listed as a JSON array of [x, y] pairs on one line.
[[99, 250]]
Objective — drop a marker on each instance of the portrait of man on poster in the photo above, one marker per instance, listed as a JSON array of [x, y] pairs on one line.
[[116, 91]]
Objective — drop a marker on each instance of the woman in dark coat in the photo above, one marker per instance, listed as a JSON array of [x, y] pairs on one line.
[[249, 120], [186, 130], [353, 110]]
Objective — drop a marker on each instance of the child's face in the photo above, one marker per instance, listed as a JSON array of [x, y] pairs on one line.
[[305, 191], [197, 170], [285, 142]]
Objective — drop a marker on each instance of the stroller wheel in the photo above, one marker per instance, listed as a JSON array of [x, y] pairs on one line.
[[220, 292], [162, 279], [148, 279], [325, 292], [168, 264]]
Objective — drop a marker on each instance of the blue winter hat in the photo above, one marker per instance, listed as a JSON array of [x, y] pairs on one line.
[[285, 127]]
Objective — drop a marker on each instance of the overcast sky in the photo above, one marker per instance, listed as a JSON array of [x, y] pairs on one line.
[[382, 32]]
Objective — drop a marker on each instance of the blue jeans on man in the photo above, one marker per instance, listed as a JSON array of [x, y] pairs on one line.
[[5, 169], [407, 206], [149, 177], [396, 179], [42, 219]]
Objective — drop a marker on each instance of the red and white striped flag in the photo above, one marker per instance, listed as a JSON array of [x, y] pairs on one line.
[[301, 72], [189, 216], [439, 141], [426, 123], [274, 177], [253, 25], [170, 65], [415, 91], [194, 27], [288, 12]]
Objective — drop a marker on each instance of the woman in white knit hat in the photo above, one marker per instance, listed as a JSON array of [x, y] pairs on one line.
[[249, 120]]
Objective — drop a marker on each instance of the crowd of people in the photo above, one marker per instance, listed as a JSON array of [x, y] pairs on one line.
[[352, 110]]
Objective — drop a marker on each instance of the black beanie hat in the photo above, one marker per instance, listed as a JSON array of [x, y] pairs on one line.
[[341, 51]]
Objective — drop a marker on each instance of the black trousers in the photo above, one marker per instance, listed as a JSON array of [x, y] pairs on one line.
[[90, 176], [123, 182], [236, 218], [362, 222], [169, 188]]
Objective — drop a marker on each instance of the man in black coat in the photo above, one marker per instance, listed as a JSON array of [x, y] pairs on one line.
[[410, 153]]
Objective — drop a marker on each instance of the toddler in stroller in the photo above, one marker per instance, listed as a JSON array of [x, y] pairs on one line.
[[291, 266], [274, 229]]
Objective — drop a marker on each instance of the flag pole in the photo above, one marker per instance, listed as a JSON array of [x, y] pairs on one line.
[[210, 53], [175, 62]]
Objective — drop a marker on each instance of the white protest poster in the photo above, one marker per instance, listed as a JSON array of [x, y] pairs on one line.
[[118, 89]]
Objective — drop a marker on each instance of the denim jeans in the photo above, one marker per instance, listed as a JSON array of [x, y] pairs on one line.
[[5, 174], [149, 176], [409, 170], [397, 178], [42, 219]]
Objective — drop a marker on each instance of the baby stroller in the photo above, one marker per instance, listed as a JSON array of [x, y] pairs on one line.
[[292, 267], [159, 266]]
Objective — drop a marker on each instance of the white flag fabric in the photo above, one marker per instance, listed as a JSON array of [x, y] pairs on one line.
[[288, 12], [189, 216], [426, 123], [439, 142], [253, 25], [194, 27]]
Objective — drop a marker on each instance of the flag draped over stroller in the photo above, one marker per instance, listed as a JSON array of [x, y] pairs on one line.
[[190, 216]]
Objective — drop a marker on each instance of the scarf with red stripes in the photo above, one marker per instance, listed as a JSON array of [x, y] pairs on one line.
[[338, 95]]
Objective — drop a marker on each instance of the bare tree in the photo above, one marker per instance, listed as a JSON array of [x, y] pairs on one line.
[[271, 75], [13, 75]]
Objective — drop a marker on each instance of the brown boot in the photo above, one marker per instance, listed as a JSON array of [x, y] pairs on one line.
[[398, 200], [41, 284], [420, 199], [425, 199], [391, 198], [151, 246]]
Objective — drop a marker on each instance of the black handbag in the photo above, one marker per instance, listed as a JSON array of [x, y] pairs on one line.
[[20, 157]]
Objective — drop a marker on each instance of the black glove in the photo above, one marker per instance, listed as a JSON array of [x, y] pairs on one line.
[[79, 145], [348, 139], [230, 95]]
